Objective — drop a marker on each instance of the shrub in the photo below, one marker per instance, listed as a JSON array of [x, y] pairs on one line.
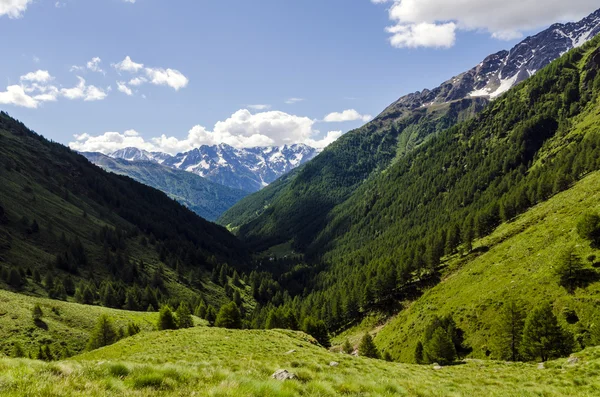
[[367, 347], [104, 333], [166, 320], [229, 317]]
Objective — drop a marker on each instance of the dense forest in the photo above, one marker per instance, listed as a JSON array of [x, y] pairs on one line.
[[70, 230], [387, 240]]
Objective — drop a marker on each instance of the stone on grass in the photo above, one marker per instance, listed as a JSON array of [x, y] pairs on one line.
[[573, 360], [334, 364], [282, 374]]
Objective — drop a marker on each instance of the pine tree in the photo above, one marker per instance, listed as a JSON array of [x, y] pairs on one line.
[[440, 348], [318, 330], [570, 269], [104, 333], [14, 279], [166, 320], [184, 317], [211, 315], [347, 347], [229, 317], [543, 337], [419, 353], [201, 310], [509, 332], [367, 347]]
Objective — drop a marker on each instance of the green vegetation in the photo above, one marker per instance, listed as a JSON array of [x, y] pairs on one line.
[[374, 235], [213, 361], [207, 199], [73, 232], [367, 347]]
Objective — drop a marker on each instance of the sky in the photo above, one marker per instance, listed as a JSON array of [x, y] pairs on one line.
[[173, 75]]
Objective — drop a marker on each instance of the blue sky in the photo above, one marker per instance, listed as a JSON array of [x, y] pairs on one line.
[[207, 64]]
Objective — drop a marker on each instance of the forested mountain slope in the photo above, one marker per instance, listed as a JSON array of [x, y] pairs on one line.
[[295, 209], [518, 262], [67, 226], [205, 198], [388, 239]]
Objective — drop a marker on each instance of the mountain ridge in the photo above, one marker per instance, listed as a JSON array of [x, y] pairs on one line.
[[248, 169]]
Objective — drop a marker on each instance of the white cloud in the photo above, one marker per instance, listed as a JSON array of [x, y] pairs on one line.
[[433, 23], [171, 77], [292, 101], [137, 81], [259, 107], [94, 65], [16, 95], [423, 35], [83, 91], [346, 115], [121, 86], [242, 129], [13, 8], [39, 76], [127, 65]]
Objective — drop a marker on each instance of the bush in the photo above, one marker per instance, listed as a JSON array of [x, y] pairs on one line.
[[184, 317], [347, 347]]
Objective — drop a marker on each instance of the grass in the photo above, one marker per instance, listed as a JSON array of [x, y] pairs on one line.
[[64, 325], [519, 262], [216, 362]]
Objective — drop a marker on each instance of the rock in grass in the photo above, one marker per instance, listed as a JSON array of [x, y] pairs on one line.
[[334, 364], [437, 367], [573, 360], [282, 374]]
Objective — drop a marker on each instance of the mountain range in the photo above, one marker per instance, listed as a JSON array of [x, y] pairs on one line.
[[248, 169], [205, 198], [400, 129], [461, 222]]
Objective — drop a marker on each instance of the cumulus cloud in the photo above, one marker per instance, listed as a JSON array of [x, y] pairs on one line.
[[13, 8], [16, 95], [84, 91], [346, 115], [39, 76], [127, 65], [433, 23], [157, 76], [121, 86], [94, 65], [171, 77], [242, 129]]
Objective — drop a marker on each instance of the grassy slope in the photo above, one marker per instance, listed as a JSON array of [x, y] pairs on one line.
[[519, 263], [65, 325], [218, 362], [205, 198]]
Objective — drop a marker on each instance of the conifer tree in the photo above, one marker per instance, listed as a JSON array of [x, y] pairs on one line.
[[18, 351], [367, 347], [166, 320], [543, 337], [104, 333], [347, 347], [440, 348], [211, 315], [201, 310], [508, 333], [570, 269], [184, 317], [229, 317], [419, 353]]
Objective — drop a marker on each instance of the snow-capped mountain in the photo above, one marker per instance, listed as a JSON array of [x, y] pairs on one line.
[[248, 169], [501, 71]]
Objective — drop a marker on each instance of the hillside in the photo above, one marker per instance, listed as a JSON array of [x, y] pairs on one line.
[[67, 226], [207, 199], [516, 261], [64, 326], [385, 243], [295, 212], [205, 361]]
